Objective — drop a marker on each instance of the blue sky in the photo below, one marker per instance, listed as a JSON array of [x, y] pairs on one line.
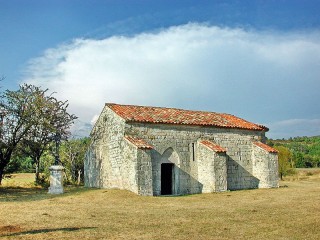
[[259, 60]]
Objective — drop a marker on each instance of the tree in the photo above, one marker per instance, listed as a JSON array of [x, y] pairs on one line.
[[298, 159], [72, 153], [52, 120], [17, 110], [284, 160], [29, 118], [305, 150]]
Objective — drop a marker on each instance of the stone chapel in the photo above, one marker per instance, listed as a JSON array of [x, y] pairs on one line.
[[169, 151]]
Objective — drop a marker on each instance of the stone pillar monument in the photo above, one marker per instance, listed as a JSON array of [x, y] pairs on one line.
[[56, 171], [56, 179]]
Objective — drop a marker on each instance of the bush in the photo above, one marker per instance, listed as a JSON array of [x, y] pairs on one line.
[[20, 164], [43, 181]]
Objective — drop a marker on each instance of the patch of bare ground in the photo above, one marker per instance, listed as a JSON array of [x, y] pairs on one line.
[[289, 212], [9, 229]]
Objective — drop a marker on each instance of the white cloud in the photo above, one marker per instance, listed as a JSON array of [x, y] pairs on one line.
[[261, 76]]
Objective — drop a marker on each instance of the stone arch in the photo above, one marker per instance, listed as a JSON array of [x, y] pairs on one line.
[[170, 158]]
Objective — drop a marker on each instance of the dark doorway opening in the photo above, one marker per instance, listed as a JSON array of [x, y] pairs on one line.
[[166, 178]]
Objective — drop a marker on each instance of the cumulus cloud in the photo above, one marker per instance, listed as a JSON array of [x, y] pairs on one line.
[[261, 76]]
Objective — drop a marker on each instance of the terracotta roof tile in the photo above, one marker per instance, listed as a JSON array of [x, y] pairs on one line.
[[143, 114], [265, 147], [139, 143], [213, 146]]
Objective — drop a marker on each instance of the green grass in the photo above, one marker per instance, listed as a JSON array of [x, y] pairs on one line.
[[290, 212]]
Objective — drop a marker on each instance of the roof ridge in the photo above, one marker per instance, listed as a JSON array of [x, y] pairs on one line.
[[166, 115], [174, 108]]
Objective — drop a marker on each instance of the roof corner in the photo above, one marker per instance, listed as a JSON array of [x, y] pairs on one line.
[[265, 147], [138, 142], [213, 146]]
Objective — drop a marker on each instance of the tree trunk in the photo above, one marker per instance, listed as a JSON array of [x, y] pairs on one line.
[[79, 176], [5, 159], [1, 174], [73, 171], [37, 177]]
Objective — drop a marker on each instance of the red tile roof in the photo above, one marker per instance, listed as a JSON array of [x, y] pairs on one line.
[[265, 147], [131, 113], [213, 146], [139, 143]]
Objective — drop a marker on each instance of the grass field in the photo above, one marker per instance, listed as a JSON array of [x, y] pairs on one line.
[[290, 212]]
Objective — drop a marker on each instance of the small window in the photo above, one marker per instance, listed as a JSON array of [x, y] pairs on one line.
[[193, 151]]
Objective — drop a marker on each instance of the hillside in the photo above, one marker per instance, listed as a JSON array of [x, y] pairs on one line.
[[305, 150]]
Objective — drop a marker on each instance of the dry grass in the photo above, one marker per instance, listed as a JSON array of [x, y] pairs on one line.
[[19, 180], [305, 174], [290, 212]]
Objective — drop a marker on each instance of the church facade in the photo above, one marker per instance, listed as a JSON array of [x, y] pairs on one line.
[[169, 151]]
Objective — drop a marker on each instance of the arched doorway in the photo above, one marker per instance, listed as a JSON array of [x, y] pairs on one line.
[[169, 172]]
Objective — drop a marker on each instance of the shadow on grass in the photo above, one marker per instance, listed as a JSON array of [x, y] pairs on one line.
[[46, 230], [20, 194], [13, 194]]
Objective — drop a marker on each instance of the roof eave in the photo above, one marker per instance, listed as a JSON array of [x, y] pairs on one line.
[[259, 128]]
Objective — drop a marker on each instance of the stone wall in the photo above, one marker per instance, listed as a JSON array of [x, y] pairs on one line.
[[265, 167], [129, 167], [145, 181], [238, 144], [104, 157], [212, 169], [113, 162], [92, 167], [221, 172]]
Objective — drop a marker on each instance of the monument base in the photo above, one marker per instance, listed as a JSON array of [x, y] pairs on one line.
[[56, 179]]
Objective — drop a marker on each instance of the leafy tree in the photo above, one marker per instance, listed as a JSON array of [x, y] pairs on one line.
[[30, 119], [305, 150], [72, 154], [298, 159], [284, 159], [53, 121], [19, 164], [17, 110]]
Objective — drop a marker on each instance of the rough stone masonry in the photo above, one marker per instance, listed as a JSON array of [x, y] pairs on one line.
[[168, 151]]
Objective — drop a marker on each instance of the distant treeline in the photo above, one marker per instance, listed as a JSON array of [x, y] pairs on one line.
[[305, 150]]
